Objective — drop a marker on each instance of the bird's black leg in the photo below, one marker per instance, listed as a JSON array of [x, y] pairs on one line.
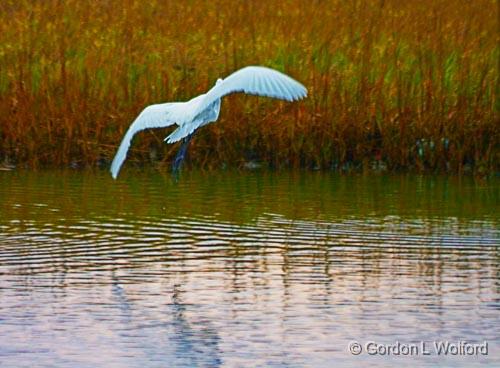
[[181, 154]]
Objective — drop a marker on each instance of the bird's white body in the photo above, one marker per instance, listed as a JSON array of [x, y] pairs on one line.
[[205, 108], [206, 116]]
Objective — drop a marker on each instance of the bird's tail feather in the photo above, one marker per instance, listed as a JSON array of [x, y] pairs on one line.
[[181, 132]]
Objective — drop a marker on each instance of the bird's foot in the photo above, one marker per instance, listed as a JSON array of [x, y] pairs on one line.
[[179, 158], [177, 163]]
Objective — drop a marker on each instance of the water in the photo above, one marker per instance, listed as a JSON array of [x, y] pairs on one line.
[[239, 269]]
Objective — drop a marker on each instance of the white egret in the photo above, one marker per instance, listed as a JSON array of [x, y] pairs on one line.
[[204, 109]]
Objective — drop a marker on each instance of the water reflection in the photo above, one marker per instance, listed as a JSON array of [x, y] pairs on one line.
[[235, 269]]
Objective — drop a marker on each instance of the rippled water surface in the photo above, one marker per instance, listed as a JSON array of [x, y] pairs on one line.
[[245, 269]]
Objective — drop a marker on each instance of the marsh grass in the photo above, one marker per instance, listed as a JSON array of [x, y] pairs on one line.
[[392, 84]]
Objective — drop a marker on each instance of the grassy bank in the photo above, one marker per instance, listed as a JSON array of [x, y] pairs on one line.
[[392, 84]]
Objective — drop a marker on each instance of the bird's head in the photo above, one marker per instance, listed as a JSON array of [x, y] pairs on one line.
[[219, 81]]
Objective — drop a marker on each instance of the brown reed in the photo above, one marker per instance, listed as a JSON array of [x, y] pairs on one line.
[[392, 84]]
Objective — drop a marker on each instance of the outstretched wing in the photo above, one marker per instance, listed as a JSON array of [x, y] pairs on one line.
[[254, 80], [154, 116]]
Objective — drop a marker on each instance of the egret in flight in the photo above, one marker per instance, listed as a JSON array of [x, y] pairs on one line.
[[204, 109]]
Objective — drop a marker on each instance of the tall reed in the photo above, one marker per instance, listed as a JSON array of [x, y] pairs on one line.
[[392, 84]]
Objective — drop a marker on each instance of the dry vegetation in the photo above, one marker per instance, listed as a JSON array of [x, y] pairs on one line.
[[396, 84]]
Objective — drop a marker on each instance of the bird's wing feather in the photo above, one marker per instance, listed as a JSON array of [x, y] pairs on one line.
[[261, 81], [154, 116], [257, 80], [254, 80]]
